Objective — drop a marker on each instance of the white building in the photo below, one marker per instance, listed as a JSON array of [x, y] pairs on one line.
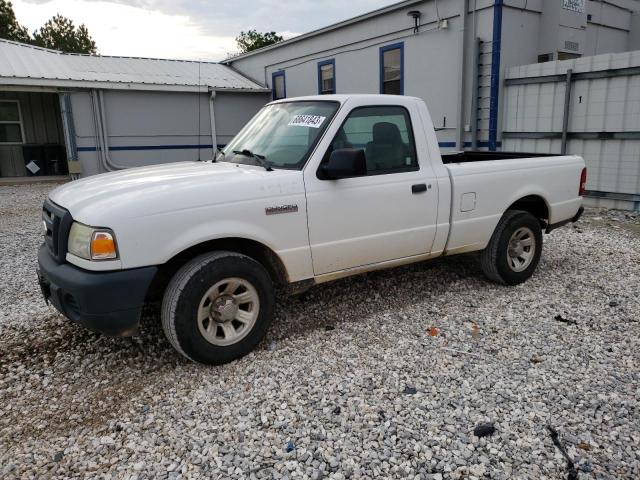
[[457, 54], [82, 114], [479, 65], [451, 53]]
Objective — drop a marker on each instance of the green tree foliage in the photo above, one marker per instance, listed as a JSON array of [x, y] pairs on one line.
[[10, 28], [60, 33], [252, 40]]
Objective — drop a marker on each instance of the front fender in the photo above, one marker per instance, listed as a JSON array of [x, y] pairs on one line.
[[156, 239]]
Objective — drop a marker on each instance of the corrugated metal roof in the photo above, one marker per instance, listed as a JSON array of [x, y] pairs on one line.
[[27, 65]]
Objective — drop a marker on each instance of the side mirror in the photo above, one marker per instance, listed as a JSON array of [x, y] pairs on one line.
[[345, 163]]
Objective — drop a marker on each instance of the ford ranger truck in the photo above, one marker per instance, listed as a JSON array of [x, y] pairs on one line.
[[311, 190]]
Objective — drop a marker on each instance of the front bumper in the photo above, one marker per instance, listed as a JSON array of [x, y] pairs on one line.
[[107, 302]]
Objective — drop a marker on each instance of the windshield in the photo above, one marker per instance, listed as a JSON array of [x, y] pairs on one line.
[[281, 134]]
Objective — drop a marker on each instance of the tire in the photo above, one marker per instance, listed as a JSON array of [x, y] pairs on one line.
[[207, 318], [511, 266]]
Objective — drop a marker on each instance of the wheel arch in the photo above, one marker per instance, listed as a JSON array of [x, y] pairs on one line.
[[536, 205], [251, 248]]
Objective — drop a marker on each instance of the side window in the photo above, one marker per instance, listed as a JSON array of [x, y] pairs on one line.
[[385, 135], [278, 85], [392, 69], [327, 77]]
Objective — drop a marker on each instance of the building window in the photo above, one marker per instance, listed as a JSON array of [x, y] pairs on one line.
[[10, 122], [327, 77], [392, 69], [279, 85]]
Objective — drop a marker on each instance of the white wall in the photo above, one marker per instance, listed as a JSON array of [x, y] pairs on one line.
[[608, 29], [634, 37], [432, 58], [597, 105], [138, 122]]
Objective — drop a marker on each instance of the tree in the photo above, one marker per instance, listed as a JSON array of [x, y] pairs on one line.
[[252, 40], [59, 33], [10, 28]]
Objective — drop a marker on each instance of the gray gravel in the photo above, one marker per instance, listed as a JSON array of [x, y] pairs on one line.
[[381, 376]]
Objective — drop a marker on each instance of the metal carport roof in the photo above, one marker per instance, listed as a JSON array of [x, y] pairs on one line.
[[30, 66]]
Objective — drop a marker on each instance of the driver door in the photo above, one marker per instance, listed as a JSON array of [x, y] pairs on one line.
[[386, 214]]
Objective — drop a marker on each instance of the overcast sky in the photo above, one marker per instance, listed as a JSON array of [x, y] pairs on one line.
[[195, 29]]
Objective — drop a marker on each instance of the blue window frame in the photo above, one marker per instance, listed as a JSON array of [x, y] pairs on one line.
[[327, 77], [278, 85], [392, 69]]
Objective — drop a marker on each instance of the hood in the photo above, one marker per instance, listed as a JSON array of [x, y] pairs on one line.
[[144, 191]]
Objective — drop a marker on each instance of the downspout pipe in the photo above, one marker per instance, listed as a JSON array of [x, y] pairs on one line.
[[212, 117], [97, 127], [496, 47], [475, 70], [103, 135], [462, 76], [94, 117]]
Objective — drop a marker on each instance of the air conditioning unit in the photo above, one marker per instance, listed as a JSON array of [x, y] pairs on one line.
[[571, 46]]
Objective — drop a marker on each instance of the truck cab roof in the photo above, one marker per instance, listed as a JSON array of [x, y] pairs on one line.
[[373, 99]]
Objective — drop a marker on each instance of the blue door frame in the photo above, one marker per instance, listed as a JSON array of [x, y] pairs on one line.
[[496, 48]]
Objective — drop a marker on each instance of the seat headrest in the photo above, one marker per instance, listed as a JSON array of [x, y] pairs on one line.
[[386, 133]]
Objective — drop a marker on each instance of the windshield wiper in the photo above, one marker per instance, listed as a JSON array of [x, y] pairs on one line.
[[260, 160], [217, 152]]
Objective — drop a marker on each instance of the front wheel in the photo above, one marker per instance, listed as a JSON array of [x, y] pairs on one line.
[[218, 307], [514, 250]]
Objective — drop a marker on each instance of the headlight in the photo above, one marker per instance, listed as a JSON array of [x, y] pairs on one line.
[[92, 243]]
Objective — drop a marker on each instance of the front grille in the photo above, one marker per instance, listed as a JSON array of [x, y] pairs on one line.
[[57, 221]]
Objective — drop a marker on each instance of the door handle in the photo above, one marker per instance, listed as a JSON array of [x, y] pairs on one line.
[[418, 188]]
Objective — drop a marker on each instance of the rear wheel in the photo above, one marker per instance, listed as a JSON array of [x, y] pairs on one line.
[[514, 250], [218, 307]]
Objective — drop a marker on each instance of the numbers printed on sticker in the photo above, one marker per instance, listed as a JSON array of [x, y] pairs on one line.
[[309, 121]]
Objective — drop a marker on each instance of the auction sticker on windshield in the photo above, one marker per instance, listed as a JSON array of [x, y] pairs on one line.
[[309, 121]]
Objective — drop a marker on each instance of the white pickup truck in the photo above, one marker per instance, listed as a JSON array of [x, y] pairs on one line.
[[311, 190]]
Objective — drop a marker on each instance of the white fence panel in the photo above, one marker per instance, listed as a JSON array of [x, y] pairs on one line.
[[603, 118]]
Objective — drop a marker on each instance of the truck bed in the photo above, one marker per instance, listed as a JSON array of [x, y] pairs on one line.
[[483, 156], [483, 190]]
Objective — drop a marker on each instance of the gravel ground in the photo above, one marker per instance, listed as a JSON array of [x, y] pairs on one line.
[[384, 375]]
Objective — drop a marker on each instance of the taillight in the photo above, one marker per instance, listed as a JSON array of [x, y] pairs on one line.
[[583, 183]]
